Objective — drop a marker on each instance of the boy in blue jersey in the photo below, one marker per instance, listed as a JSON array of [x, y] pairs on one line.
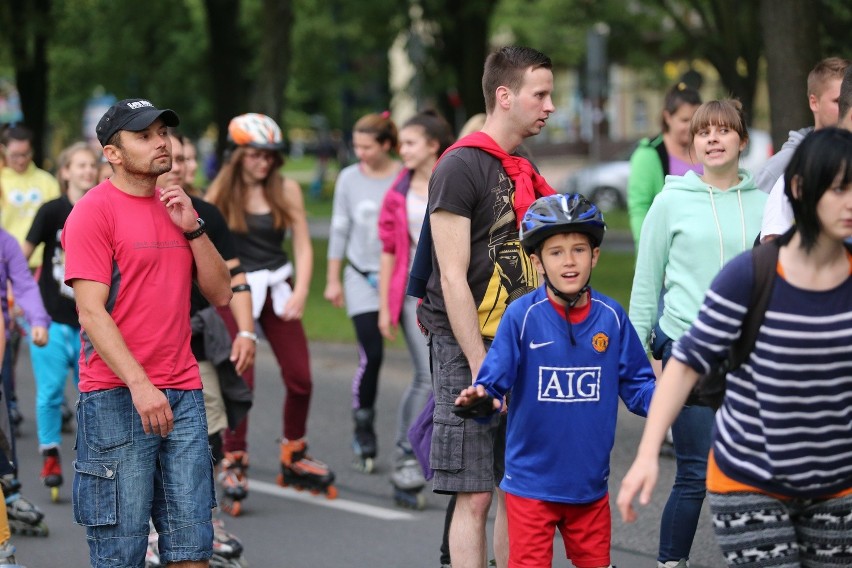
[[567, 353]]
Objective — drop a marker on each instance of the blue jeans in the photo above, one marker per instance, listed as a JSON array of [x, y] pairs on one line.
[[692, 434], [51, 365], [124, 477]]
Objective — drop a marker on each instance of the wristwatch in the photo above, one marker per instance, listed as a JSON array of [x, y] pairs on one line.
[[202, 228]]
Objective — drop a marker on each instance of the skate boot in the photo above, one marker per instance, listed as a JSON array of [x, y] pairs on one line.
[[7, 555], [303, 471], [234, 481], [152, 553], [51, 472], [364, 443], [67, 418], [227, 549], [408, 481], [25, 518]]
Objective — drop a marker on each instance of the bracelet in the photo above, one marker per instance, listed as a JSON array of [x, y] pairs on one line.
[[247, 335], [240, 288]]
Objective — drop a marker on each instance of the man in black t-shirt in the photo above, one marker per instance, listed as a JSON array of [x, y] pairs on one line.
[[478, 267]]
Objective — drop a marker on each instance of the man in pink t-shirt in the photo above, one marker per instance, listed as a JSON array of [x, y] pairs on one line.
[[132, 250]]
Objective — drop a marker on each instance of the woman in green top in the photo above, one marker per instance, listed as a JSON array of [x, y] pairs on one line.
[[666, 154]]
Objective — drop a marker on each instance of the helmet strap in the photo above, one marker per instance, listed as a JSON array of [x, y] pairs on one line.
[[571, 301]]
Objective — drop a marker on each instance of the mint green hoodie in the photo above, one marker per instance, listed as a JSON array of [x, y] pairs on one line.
[[690, 232]]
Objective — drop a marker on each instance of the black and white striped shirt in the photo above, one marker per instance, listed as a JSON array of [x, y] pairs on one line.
[[786, 422]]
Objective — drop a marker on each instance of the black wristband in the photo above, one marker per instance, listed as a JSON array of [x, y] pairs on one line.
[[202, 228], [241, 288], [238, 269]]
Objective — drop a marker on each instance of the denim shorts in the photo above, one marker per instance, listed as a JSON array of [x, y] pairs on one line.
[[463, 451], [124, 477]]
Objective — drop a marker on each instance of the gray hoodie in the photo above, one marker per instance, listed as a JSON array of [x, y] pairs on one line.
[[774, 167]]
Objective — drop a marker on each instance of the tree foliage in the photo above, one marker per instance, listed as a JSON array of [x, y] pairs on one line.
[[293, 59]]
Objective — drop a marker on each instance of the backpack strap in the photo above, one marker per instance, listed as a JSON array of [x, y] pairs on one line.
[[764, 260]]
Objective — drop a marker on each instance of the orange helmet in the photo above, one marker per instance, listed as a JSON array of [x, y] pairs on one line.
[[255, 130]]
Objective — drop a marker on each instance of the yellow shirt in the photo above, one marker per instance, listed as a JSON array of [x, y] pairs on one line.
[[22, 196]]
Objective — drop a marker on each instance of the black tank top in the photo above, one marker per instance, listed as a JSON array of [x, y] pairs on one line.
[[262, 247]]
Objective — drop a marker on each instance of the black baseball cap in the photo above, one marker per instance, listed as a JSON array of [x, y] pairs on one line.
[[133, 115]]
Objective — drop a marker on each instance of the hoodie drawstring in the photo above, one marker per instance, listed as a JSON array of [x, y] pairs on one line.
[[719, 227]]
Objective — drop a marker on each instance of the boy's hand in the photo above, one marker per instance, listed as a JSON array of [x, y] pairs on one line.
[[470, 395], [475, 402]]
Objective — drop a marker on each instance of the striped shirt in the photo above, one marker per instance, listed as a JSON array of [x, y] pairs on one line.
[[785, 425]]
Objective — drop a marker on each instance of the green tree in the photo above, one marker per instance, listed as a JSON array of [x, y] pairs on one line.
[[27, 25], [790, 33], [155, 52]]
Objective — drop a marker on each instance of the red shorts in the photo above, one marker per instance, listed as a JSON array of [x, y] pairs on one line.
[[586, 531]]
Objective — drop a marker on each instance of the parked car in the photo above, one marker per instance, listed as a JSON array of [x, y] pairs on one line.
[[605, 183]]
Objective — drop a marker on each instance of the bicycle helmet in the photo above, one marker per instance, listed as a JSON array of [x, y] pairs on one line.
[[257, 131], [561, 213], [555, 214]]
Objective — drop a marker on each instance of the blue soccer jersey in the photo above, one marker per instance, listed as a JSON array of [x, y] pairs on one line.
[[564, 397]]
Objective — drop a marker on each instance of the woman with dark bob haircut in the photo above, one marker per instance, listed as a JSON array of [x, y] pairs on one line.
[[779, 473]]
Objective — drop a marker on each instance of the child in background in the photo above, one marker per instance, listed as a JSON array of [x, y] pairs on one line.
[[53, 362], [567, 353]]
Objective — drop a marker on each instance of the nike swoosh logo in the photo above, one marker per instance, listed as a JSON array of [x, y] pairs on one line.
[[534, 345]]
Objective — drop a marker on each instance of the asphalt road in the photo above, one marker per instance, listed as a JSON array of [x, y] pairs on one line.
[[361, 528]]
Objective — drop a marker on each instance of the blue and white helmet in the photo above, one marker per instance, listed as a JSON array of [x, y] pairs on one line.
[[553, 214]]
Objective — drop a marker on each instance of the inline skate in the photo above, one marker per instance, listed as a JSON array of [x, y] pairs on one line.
[[7, 555], [408, 481], [51, 472], [25, 518], [302, 471], [234, 481], [227, 550], [364, 442]]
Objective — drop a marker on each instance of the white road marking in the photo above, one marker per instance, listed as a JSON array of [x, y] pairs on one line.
[[339, 504]]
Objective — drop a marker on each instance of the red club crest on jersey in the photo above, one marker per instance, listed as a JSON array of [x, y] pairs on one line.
[[600, 342]]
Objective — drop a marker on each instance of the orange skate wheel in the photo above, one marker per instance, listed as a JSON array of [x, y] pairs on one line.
[[331, 492]]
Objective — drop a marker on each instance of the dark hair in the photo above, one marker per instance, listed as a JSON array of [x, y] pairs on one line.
[[844, 102], [17, 132], [506, 67], [724, 112], [677, 96], [115, 140], [434, 128], [819, 159], [380, 126]]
